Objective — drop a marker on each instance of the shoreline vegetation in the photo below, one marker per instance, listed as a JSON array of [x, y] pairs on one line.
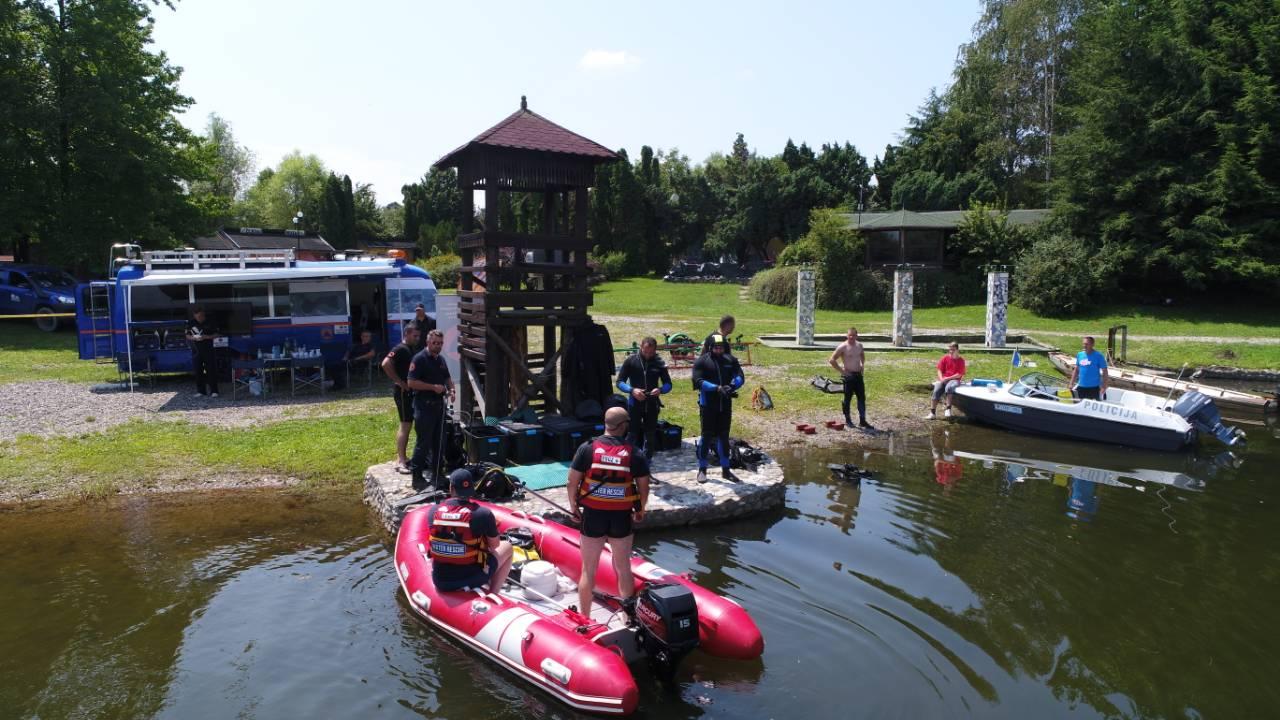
[[324, 446]]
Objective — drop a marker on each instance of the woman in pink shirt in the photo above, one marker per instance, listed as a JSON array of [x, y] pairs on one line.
[[950, 373]]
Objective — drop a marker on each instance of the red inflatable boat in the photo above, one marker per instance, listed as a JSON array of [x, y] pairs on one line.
[[530, 628]]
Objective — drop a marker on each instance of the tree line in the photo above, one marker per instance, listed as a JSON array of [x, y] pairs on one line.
[[1149, 127]]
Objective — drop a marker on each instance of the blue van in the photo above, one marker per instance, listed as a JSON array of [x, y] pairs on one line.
[[36, 290]]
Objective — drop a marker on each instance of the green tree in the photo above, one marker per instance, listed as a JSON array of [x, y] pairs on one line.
[[92, 150], [1173, 160], [432, 200], [298, 183]]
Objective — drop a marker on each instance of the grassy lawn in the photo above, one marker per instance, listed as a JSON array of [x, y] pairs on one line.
[[324, 453], [29, 354], [705, 303]]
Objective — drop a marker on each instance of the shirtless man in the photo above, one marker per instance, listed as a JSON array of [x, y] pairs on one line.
[[854, 359]]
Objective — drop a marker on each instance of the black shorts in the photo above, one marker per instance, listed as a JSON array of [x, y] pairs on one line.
[[404, 405], [477, 577], [1089, 393], [606, 523]]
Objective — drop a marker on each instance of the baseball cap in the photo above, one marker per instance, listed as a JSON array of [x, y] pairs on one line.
[[462, 482]]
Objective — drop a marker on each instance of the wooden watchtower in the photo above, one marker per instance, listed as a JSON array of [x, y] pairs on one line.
[[513, 282]]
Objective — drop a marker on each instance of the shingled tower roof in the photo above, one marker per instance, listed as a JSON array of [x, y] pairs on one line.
[[527, 130]]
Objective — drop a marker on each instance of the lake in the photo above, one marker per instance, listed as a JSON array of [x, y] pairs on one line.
[[974, 573]]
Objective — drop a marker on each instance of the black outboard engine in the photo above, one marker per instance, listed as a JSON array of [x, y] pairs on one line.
[[667, 619], [1200, 411]]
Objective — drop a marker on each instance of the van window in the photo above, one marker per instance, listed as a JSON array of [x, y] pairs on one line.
[[280, 299], [159, 302], [255, 294], [18, 280]]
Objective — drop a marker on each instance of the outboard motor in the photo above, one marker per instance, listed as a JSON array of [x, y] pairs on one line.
[[667, 620], [1200, 411]]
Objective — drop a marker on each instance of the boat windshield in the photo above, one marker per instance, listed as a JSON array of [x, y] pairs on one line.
[[1037, 384]]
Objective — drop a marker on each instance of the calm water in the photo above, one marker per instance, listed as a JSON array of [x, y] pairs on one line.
[[978, 574]]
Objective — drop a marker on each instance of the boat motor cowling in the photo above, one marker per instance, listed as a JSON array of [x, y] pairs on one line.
[[1200, 411], [667, 620]]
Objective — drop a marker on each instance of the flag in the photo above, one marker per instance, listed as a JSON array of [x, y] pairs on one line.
[[1017, 358]]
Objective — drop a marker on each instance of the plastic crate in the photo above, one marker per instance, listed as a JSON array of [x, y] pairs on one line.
[[485, 444], [561, 444], [524, 442]]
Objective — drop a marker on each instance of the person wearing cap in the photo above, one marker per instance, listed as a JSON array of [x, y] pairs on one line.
[[465, 549], [608, 491], [717, 377], [200, 333], [424, 324], [430, 382], [727, 324], [644, 377]]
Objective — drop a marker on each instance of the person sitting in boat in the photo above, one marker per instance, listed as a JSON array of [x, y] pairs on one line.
[[1089, 376], [608, 492], [465, 550], [950, 373]]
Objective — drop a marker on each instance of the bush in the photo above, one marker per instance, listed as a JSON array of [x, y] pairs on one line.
[[444, 269], [943, 289], [854, 289], [776, 287], [613, 265], [1059, 276]]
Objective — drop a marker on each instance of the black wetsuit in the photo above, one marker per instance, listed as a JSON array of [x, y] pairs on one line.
[[715, 409], [640, 374]]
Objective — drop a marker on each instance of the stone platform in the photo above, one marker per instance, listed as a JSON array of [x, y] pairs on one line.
[[676, 499]]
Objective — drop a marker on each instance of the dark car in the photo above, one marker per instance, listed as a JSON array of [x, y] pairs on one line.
[[36, 290]]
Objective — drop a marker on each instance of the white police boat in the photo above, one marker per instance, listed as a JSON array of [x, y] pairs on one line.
[[1044, 405]]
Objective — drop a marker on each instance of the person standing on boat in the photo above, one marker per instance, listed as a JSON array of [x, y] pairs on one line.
[[1089, 376], [396, 366], [717, 377], [643, 377], [608, 491], [466, 551], [727, 324], [430, 382], [200, 333], [852, 361], [950, 373]]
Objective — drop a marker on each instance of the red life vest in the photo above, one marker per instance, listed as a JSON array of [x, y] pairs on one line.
[[609, 484], [452, 541]]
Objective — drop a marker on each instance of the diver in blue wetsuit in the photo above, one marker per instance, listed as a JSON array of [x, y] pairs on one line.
[[644, 377], [717, 377]]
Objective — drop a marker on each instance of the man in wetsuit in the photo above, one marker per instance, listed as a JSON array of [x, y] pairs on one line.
[[465, 550], [396, 366], [643, 377], [608, 491], [717, 377], [430, 382]]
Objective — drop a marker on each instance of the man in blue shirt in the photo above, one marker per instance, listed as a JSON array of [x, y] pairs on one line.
[[1089, 376]]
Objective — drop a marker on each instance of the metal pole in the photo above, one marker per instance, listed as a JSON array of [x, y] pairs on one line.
[[128, 336]]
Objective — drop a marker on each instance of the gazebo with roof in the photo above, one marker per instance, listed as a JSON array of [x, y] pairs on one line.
[[511, 282]]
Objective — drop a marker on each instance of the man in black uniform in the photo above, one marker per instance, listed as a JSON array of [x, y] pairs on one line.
[[466, 551], [643, 377], [727, 324], [608, 491], [200, 333], [717, 377], [396, 366], [430, 382]]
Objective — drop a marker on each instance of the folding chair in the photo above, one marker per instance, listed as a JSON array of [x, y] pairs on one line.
[[307, 373], [358, 365]]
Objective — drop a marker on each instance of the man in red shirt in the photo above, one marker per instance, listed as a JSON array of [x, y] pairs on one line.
[[950, 373]]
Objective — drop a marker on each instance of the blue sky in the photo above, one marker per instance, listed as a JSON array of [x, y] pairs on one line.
[[381, 89]]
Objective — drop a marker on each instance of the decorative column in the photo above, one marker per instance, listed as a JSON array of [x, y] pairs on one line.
[[806, 297], [903, 296], [997, 308]]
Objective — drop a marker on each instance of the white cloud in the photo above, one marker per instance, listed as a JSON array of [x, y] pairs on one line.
[[607, 60]]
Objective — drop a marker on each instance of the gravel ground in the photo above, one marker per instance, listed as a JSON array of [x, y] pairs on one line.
[[51, 408]]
